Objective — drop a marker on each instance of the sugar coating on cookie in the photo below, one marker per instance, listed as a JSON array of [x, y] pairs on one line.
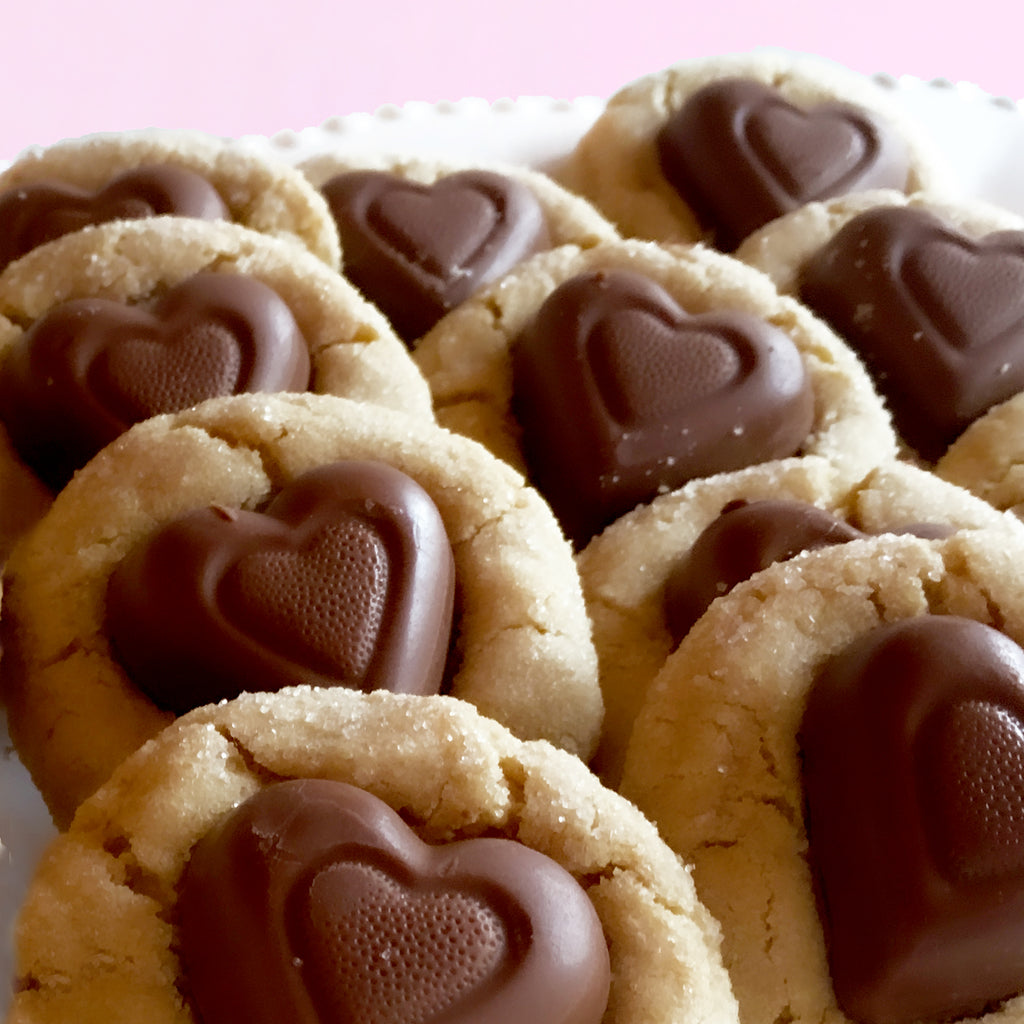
[[625, 570], [261, 193], [452, 774], [715, 755], [129, 269], [523, 648], [468, 360], [422, 236], [808, 128], [912, 284]]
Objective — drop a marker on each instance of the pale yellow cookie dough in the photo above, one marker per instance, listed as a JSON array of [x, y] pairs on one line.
[[524, 650], [262, 193], [714, 757], [96, 938], [354, 351], [988, 457], [624, 570], [466, 357], [615, 164], [570, 219]]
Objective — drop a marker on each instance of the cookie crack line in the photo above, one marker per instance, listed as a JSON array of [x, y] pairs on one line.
[[249, 760]]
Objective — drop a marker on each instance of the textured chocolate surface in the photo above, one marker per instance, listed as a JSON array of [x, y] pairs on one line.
[[314, 903], [740, 155], [417, 251], [937, 316], [87, 370], [913, 745], [31, 215], [346, 579], [745, 538], [622, 394]]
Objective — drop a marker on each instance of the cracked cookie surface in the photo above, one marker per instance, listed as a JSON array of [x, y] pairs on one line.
[[265, 195], [353, 351], [718, 736], [523, 648], [625, 569], [96, 939], [467, 357], [616, 164]]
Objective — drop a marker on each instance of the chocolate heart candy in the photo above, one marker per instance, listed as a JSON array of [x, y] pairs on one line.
[[621, 394], [90, 368], [937, 316], [740, 155], [417, 251], [314, 903], [913, 745], [746, 536], [33, 214], [346, 579]]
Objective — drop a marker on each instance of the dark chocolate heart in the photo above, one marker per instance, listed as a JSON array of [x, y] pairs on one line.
[[417, 251], [937, 316], [347, 579], [621, 394], [913, 746], [314, 903], [90, 368], [740, 155], [31, 215]]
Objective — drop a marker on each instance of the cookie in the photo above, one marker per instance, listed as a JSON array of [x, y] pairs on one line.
[[716, 753], [776, 131], [624, 370], [48, 192], [912, 285], [646, 582], [103, 328], [113, 880], [987, 457], [521, 647], [421, 236]]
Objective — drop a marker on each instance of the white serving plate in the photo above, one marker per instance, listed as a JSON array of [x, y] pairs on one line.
[[981, 136]]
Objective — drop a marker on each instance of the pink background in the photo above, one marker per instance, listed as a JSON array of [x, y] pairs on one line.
[[234, 68]]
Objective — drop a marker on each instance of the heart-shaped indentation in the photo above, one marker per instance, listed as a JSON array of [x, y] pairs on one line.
[[620, 394], [938, 316], [90, 368], [295, 594], [913, 747], [386, 951], [417, 251], [740, 154], [347, 579], [811, 154], [31, 215], [349, 916]]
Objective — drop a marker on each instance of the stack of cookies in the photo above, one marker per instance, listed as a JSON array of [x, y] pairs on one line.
[[450, 591]]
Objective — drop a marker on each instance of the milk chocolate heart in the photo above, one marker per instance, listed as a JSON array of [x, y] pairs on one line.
[[90, 368], [748, 536], [744, 538], [346, 579], [33, 214], [937, 316], [314, 903], [621, 394], [417, 251], [913, 746], [741, 155]]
